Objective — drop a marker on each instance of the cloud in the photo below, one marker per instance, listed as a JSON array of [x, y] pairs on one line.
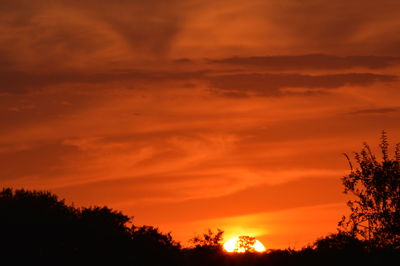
[[227, 28], [312, 61], [384, 110], [18, 82], [240, 85], [272, 84], [148, 26], [86, 34], [336, 27], [39, 160], [92, 34]]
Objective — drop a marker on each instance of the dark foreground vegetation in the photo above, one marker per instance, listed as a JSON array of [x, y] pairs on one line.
[[37, 228]]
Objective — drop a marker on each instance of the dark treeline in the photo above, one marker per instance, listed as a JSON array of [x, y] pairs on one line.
[[38, 228]]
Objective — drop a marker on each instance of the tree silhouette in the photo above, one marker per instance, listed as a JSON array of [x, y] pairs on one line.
[[338, 242], [151, 247], [209, 239], [35, 225], [37, 228], [245, 244], [206, 249], [375, 186]]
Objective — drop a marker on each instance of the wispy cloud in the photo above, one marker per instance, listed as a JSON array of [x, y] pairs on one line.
[[312, 61], [272, 84], [303, 192], [375, 111]]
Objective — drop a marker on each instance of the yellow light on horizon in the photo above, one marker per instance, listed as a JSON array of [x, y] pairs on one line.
[[259, 247], [232, 245]]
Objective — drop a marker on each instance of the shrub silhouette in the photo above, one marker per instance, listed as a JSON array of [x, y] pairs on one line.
[[375, 211]]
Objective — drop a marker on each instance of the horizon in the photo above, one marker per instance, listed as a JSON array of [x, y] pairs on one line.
[[195, 115]]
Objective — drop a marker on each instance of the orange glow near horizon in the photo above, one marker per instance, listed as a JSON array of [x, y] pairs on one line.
[[233, 246]]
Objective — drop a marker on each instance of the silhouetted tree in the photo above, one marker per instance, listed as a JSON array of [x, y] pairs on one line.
[[206, 249], [245, 243], [375, 185], [338, 242], [102, 234], [209, 239], [151, 247], [37, 228]]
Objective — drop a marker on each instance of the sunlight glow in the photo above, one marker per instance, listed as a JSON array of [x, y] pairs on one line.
[[233, 245]]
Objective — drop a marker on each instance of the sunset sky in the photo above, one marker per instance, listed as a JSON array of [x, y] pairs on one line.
[[198, 114]]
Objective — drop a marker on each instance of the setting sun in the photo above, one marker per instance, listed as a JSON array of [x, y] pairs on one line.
[[243, 244]]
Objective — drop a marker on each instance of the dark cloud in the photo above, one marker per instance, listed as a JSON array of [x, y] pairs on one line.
[[84, 41], [312, 61], [234, 85], [272, 84], [376, 111], [17, 82]]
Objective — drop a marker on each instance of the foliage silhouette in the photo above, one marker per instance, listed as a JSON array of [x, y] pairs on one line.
[[375, 185], [206, 249], [153, 247], [37, 228], [209, 239], [245, 244], [339, 241]]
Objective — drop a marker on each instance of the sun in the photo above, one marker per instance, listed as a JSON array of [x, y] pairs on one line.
[[243, 244]]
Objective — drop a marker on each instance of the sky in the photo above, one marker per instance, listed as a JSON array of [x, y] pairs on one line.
[[198, 114]]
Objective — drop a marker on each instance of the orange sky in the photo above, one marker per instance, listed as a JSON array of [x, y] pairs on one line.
[[198, 114]]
